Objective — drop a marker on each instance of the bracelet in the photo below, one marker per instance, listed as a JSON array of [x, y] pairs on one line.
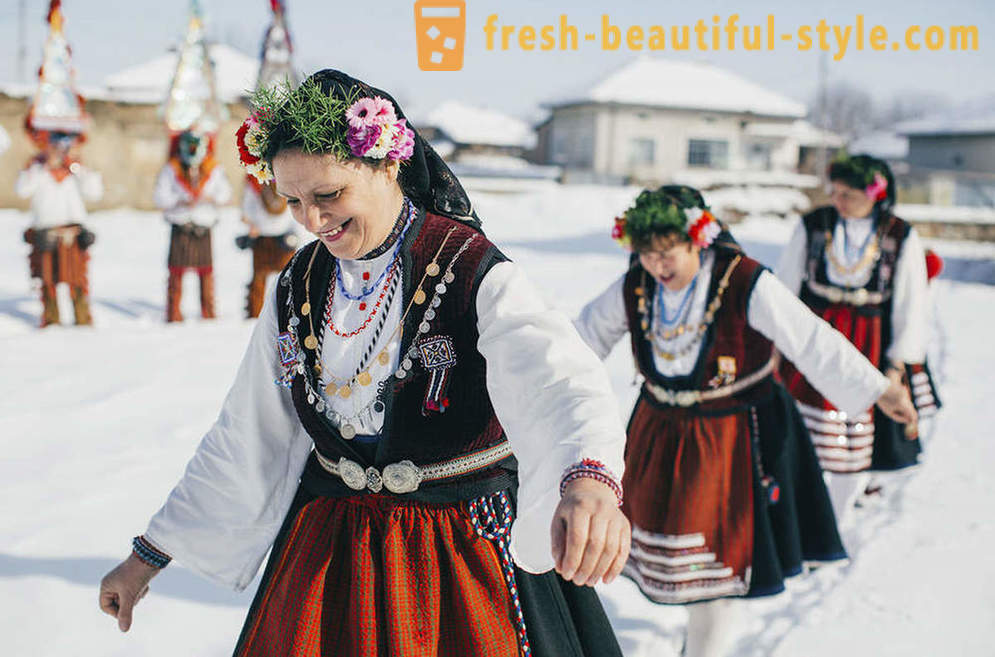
[[148, 554], [591, 469]]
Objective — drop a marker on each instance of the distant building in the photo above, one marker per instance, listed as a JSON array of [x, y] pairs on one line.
[[658, 120], [487, 149], [951, 160]]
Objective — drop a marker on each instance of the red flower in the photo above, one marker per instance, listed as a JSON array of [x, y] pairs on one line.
[[243, 150]]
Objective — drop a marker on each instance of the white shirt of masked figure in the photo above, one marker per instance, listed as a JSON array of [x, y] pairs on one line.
[[178, 204], [267, 223], [58, 202]]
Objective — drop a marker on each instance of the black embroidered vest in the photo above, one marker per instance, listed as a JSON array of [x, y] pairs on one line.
[[465, 421], [891, 232], [729, 345]]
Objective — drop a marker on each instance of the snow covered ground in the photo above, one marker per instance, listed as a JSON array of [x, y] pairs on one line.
[[96, 424]]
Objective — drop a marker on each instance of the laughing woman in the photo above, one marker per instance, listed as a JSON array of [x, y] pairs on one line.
[[723, 488], [419, 438]]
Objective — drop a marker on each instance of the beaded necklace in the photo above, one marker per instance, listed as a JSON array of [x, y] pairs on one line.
[[870, 252], [405, 224], [313, 393], [699, 330]]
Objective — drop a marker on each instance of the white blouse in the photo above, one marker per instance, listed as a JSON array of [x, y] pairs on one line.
[[177, 202], [549, 391], [833, 365], [54, 202], [267, 223], [909, 312]]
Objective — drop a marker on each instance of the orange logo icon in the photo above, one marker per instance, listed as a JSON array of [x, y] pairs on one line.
[[440, 30]]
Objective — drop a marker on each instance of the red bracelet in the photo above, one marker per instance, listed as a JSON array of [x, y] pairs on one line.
[[591, 469]]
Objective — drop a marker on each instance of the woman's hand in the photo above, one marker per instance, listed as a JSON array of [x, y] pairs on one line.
[[123, 587], [897, 404], [590, 534]]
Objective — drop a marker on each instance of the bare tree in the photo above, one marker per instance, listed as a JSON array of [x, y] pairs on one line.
[[849, 110]]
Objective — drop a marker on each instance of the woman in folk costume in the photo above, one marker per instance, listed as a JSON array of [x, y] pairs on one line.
[[57, 183], [271, 227], [189, 189], [863, 270], [416, 434], [271, 237], [723, 489]]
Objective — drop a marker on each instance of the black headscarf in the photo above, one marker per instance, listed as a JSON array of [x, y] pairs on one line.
[[424, 178]]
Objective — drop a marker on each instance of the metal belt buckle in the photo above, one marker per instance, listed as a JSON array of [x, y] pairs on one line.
[[399, 478], [402, 477], [860, 296], [686, 397]]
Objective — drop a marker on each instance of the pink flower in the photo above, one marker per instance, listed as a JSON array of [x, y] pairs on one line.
[[367, 112], [878, 189], [361, 140], [403, 146]]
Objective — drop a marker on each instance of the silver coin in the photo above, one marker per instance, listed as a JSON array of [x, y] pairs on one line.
[[429, 314], [400, 374], [441, 288], [320, 406], [406, 364], [436, 302], [348, 431], [310, 398], [449, 277], [294, 321]]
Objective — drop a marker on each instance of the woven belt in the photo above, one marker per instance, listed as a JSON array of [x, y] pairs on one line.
[[405, 476], [691, 397], [858, 297]]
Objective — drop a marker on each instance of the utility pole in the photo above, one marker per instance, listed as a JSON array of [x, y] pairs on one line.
[[22, 38]]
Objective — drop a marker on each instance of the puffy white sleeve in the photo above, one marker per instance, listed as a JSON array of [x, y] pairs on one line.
[[218, 189], [602, 322], [168, 193], [552, 396], [827, 359], [909, 308], [791, 265], [28, 181], [224, 514], [91, 184]]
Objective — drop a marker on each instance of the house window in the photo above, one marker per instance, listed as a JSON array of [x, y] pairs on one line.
[[642, 151], [758, 156], [710, 153]]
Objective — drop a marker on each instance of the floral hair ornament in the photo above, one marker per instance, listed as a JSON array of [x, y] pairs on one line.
[[878, 189], [314, 121], [702, 226], [619, 234]]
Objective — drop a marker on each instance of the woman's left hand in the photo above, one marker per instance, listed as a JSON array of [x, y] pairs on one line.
[[590, 534]]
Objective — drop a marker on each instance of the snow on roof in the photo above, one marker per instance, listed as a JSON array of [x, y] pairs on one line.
[[949, 125], [148, 83], [885, 145], [800, 130], [467, 124], [687, 85]]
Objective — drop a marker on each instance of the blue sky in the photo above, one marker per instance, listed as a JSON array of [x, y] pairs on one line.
[[376, 41]]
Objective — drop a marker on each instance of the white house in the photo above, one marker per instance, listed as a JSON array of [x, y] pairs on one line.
[[657, 120]]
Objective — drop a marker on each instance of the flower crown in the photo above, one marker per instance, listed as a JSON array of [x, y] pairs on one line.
[[362, 127], [700, 225]]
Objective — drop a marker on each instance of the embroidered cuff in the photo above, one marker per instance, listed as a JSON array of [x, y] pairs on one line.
[[593, 470], [148, 554]]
